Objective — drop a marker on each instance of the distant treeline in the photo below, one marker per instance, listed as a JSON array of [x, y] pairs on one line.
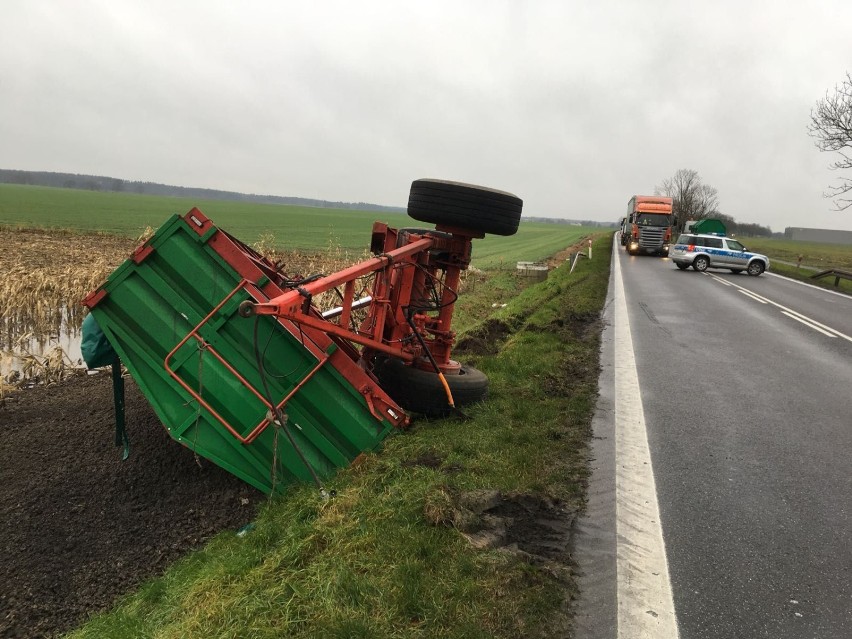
[[117, 185]]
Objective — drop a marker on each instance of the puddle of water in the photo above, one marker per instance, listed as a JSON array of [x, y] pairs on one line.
[[17, 353]]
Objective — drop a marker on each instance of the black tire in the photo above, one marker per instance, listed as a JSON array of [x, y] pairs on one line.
[[465, 206], [756, 268], [681, 266], [701, 263], [736, 271], [421, 391]]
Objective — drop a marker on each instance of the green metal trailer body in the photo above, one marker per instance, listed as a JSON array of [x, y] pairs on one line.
[[708, 225], [212, 376]]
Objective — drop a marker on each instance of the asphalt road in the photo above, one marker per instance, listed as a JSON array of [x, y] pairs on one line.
[[746, 389]]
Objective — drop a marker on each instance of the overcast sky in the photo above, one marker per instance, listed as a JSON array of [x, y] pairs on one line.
[[574, 106]]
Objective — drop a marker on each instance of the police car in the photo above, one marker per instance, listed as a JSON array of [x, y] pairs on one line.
[[706, 250]]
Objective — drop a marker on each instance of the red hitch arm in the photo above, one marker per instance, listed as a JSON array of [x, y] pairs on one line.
[[290, 303]]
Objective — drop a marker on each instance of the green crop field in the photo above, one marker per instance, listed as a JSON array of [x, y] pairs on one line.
[[293, 227], [534, 241], [299, 227], [783, 257], [815, 254]]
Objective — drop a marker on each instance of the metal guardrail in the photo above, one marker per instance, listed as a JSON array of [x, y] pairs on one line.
[[838, 274]]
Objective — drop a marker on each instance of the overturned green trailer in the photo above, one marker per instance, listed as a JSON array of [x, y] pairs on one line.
[[242, 367], [171, 313]]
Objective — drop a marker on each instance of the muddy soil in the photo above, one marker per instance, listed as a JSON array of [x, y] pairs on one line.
[[80, 527]]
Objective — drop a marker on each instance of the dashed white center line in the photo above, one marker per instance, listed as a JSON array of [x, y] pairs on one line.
[[756, 298], [789, 312]]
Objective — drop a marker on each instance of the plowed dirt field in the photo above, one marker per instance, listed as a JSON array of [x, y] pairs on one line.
[[79, 527]]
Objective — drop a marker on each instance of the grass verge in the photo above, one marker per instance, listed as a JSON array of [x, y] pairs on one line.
[[454, 529], [805, 275], [784, 255]]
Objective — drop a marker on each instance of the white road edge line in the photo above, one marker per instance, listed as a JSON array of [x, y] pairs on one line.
[[645, 601], [801, 283], [808, 324]]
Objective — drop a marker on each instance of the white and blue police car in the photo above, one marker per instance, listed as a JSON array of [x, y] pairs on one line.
[[707, 250]]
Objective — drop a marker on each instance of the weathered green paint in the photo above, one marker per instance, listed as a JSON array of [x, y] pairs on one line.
[[709, 225]]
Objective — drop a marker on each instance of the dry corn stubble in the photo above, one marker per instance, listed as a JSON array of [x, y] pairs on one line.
[[46, 273], [297, 265]]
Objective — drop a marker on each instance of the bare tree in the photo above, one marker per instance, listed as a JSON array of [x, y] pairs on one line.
[[692, 199], [831, 127], [706, 202]]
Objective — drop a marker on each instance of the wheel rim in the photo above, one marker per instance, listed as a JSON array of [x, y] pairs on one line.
[[755, 268], [701, 264]]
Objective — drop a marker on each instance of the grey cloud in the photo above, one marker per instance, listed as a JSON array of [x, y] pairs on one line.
[[573, 106]]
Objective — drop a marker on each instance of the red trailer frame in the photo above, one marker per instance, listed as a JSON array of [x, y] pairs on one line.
[[415, 280]]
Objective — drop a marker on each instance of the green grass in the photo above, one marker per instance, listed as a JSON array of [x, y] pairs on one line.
[[383, 557], [128, 214], [815, 257], [293, 227], [815, 254], [534, 241], [844, 286]]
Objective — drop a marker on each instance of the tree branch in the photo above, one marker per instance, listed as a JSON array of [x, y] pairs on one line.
[[831, 128]]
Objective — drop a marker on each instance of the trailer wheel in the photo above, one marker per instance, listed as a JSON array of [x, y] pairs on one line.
[[465, 206], [421, 391]]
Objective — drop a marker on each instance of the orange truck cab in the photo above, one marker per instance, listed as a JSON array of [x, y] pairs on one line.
[[649, 225]]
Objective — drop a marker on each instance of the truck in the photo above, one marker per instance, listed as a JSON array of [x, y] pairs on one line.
[[624, 227], [650, 225]]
